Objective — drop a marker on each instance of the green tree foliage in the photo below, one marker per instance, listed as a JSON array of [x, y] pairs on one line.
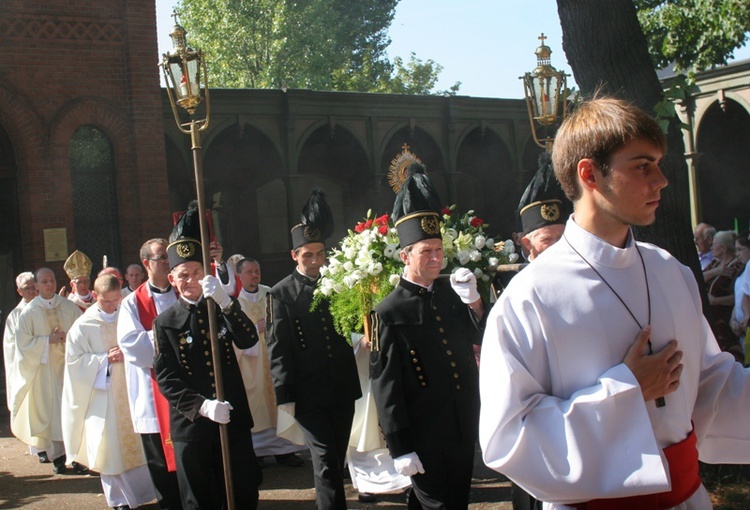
[[312, 44], [695, 34]]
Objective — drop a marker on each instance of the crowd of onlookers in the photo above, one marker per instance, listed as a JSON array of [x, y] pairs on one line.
[[723, 257]]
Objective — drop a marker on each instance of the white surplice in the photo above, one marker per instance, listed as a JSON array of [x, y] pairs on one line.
[[137, 344], [562, 415], [9, 349], [95, 416], [38, 370], [256, 375]]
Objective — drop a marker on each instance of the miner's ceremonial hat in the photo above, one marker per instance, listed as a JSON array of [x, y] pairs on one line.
[[316, 221], [417, 208], [543, 202], [184, 241]]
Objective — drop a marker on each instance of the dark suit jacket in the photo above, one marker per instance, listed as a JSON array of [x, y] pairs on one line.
[[311, 364], [184, 367], [424, 375]]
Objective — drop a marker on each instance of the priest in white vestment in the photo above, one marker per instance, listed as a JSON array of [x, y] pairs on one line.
[[597, 363], [256, 375], [38, 369], [95, 416], [26, 288]]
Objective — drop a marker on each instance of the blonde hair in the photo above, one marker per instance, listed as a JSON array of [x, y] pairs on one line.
[[106, 283]]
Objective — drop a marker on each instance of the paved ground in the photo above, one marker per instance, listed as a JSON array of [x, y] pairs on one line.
[[24, 483]]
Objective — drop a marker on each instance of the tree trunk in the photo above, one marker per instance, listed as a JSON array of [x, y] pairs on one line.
[[607, 51]]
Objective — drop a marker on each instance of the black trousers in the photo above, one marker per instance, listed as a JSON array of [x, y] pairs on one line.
[[165, 482], [522, 500], [327, 433], [446, 481], [200, 472]]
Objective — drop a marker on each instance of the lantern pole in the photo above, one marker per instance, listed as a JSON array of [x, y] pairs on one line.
[[546, 95], [182, 68]]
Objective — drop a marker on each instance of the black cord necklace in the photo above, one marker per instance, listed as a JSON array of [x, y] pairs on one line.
[[660, 402]]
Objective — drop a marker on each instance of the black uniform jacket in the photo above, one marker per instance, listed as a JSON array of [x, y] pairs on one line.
[[311, 364], [184, 367], [424, 374]]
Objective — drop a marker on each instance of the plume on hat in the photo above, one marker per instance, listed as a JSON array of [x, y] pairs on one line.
[[188, 226], [416, 194], [317, 213], [544, 184]]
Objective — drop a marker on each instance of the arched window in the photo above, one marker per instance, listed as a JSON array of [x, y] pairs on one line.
[[92, 177]]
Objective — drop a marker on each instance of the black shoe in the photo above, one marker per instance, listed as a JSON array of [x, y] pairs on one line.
[[289, 459], [123, 507], [80, 469], [58, 465], [43, 459], [367, 497]]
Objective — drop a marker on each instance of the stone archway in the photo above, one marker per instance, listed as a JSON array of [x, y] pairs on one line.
[[10, 229], [337, 158], [724, 179], [486, 181], [245, 190]]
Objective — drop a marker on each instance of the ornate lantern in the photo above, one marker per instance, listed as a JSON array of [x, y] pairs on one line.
[[546, 94]]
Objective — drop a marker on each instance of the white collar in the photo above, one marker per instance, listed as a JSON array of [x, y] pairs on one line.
[[598, 251]]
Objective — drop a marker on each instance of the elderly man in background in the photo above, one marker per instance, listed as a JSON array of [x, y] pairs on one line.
[[78, 269], [134, 276], [256, 373], [26, 288], [38, 370], [703, 235]]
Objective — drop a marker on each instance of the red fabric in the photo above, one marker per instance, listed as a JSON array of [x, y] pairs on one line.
[[146, 314], [683, 472]]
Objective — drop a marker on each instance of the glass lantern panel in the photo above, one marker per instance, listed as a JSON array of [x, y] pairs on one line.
[[180, 85], [194, 76]]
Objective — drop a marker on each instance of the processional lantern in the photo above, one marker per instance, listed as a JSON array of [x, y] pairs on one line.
[[186, 78], [546, 96]]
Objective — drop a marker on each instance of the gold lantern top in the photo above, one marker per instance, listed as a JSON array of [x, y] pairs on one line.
[[546, 93], [184, 73]]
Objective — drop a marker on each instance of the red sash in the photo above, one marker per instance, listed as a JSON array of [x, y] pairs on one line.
[[683, 473], [147, 313]]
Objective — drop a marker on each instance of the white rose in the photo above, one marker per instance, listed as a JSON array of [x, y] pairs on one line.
[[509, 247], [389, 250], [375, 269], [512, 257], [348, 266], [475, 256], [350, 281], [451, 234], [463, 257], [493, 261], [323, 270], [489, 243], [478, 273], [485, 278], [479, 242], [394, 279]]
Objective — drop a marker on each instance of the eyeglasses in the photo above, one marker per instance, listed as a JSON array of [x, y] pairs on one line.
[[163, 258]]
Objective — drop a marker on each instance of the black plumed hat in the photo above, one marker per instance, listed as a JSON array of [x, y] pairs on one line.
[[416, 210], [184, 241], [544, 201], [316, 222]]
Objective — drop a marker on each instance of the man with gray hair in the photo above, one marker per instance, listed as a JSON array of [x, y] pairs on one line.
[[703, 236], [26, 288]]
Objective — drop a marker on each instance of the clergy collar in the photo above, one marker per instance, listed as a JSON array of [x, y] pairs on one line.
[[48, 303], [109, 318], [306, 280], [599, 251], [156, 290], [415, 288], [87, 298]]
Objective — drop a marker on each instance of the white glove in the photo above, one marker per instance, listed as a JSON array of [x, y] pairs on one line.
[[464, 284], [215, 410], [212, 288], [288, 408], [408, 465]]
